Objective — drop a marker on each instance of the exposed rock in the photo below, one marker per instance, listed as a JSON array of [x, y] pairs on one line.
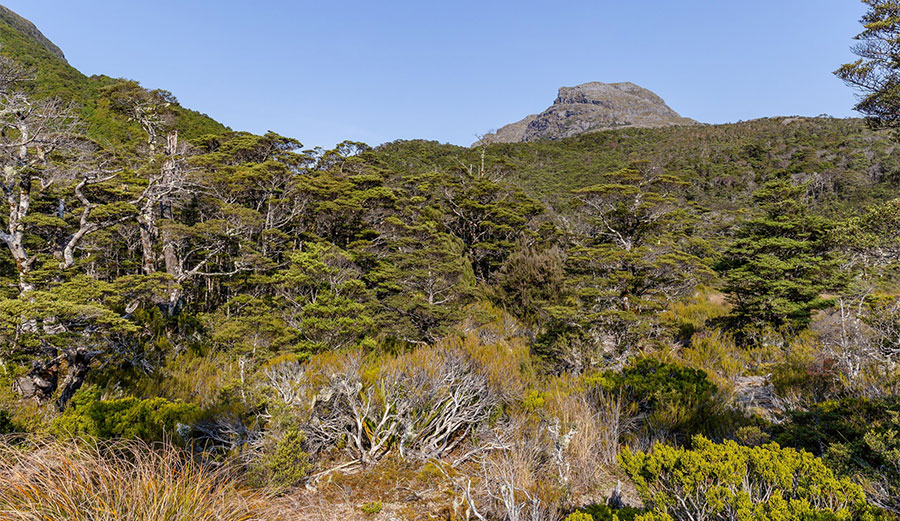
[[591, 107], [756, 394]]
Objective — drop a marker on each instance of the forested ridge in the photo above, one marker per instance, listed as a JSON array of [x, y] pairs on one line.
[[698, 322]]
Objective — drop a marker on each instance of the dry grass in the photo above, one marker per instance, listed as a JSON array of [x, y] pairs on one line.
[[92, 481]]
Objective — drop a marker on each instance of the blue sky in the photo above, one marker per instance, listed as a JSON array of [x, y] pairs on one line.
[[324, 71]]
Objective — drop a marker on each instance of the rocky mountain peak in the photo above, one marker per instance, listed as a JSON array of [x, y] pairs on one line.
[[590, 107]]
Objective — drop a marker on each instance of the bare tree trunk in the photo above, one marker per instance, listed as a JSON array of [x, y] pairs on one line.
[[147, 224], [19, 201], [170, 252], [85, 226]]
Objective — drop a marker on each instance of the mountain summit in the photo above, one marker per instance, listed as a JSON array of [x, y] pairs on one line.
[[590, 107]]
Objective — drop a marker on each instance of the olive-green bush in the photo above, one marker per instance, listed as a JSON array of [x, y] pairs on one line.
[[727, 481], [284, 463], [600, 512], [856, 437], [6, 423], [676, 401], [150, 420]]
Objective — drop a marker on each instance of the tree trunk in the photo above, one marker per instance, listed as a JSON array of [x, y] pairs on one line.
[[147, 224], [170, 254], [169, 249], [79, 361]]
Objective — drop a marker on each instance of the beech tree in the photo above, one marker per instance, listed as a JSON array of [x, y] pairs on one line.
[[780, 266], [30, 132], [636, 256], [876, 74]]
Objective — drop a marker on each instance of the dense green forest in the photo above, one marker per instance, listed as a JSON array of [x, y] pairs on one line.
[[676, 323]]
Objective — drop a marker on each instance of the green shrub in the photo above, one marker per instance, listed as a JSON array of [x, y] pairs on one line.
[[534, 400], [677, 400], [6, 423], [285, 464], [371, 508], [856, 437], [751, 435], [149, 420], [579, 516], [600, 512], [729, 481]]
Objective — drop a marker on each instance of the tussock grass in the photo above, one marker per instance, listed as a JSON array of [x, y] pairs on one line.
[[83, 480]]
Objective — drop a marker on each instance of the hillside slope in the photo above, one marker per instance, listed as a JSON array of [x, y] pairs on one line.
[[54, 77], [847, 164]]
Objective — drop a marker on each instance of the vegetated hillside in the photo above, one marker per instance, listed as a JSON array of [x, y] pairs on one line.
[[54, 77], [847, 164], [590, 107], [230, 327]]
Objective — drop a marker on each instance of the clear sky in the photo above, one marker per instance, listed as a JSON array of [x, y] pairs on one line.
[[376, 71]]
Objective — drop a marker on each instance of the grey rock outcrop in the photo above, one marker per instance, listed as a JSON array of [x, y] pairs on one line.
[[591, 107]]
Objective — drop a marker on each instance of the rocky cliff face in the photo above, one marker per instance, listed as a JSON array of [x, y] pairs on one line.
[[590, 107]]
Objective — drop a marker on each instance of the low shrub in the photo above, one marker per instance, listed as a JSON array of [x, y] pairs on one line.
[[726, 481], [371, 508], [676, 401], [601, 512], [285, 463], [421, 404], [857, 437], [579, 516], [694, 315], [150, 420], [716, 353], [803, 375]]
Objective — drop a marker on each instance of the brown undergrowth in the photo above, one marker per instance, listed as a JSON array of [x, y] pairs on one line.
[[83, 480]]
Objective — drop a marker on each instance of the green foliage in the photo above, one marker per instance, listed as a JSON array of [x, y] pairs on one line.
[[751, 435], [730, 481], [873, 239], [716, 353], [723, 164], [875, 72], [284, 464], [534, 400], [6, 424], [530, 280], [637, 256], [857, 437], [258, 280], [600, 512], [678, 401], [424, 285], [780, 265], [371, 508], [325, 299], [150, 420]]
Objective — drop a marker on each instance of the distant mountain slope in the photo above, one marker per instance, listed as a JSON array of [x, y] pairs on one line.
[[28, 29], [22, 41], [591, 107], [847, 164]]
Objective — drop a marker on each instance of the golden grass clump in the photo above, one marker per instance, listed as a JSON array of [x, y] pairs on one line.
[[83, 480]]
